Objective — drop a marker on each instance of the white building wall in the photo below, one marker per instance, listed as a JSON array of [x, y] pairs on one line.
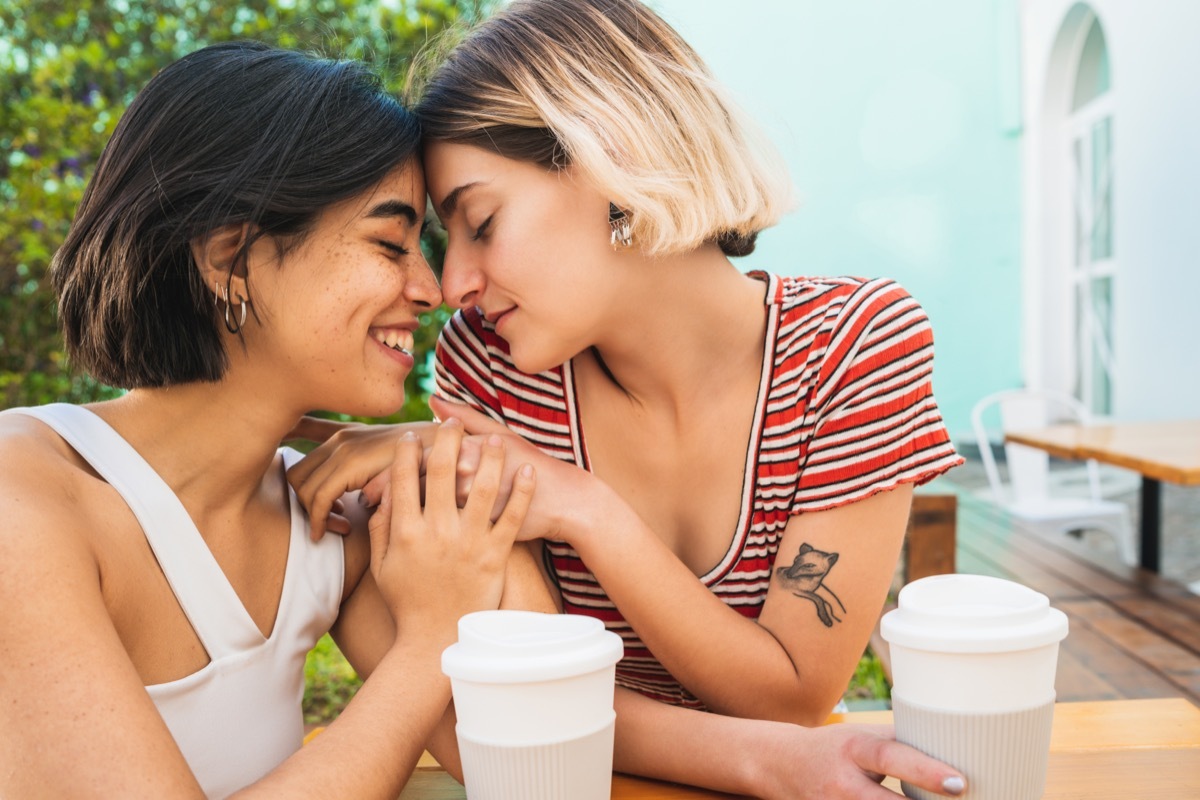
[[1155, 64], [900, 123]]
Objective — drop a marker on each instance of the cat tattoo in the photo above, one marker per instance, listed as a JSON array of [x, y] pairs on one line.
[[804, 577]]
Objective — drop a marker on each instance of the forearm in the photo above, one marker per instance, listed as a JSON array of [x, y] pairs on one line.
[[770, 760], [371, 749], [734, 665], [443, 744], [669, 743], [525, 585]]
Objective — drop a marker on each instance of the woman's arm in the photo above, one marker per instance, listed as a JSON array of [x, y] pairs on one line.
[[768, 760], [75, 719], [431, 563], [789, 664], [794, 663]]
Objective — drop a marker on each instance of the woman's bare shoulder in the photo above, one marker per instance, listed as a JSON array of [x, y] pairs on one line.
[[44, 484], [30, 444]]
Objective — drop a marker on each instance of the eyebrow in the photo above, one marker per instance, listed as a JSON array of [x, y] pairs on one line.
[[394, 208], [451, 201]]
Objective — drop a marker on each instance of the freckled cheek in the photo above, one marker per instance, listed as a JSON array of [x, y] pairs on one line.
[[338, 285]]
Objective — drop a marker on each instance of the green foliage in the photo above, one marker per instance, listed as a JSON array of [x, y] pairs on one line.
[[329, 683], [68, 68], [869, 682]]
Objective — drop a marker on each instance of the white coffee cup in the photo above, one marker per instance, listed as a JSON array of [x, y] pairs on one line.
[[534, 698], [973, 665]]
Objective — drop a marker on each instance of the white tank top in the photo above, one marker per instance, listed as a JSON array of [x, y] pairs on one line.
[[238, 717]]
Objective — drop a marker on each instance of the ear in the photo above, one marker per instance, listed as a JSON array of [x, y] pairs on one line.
[[216, 255]]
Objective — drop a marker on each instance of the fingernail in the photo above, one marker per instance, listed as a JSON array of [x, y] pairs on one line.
[[954, 785], [453, 421], [494, 440], [526, 471], [409, 436], [362, 499]]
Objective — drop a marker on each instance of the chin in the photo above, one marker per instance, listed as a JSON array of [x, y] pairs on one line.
[[532, 363], [382, 408]]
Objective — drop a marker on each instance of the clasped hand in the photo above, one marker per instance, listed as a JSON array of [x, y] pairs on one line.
[[359, 458], [435, 555]]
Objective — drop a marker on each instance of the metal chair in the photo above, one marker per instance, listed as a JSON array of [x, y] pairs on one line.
[[1027, 497]]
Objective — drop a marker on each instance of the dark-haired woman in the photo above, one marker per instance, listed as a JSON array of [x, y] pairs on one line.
[[246, 251]]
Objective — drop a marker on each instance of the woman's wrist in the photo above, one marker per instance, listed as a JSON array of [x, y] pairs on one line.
[[424, 634], [757, 741], [593, 516]]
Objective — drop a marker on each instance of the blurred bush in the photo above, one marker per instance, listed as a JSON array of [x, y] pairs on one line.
[[329, 683]]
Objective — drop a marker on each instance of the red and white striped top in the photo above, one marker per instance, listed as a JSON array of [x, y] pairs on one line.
[[845, 409]]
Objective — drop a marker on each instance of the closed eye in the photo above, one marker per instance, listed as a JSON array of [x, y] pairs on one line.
[[482, 229], [393, 248]]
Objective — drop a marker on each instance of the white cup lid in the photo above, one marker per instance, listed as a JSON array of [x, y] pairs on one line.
[[527, 646], [972, 614]]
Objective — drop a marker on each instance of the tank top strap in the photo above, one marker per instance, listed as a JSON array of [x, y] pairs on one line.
[[204, 593]]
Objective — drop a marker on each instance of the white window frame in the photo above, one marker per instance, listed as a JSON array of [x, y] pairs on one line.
[[1090, 345]]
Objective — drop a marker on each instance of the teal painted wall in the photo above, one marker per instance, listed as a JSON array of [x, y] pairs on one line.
[[900, 122]]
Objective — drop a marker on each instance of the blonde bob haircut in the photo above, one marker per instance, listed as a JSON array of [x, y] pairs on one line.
[[609, 88]]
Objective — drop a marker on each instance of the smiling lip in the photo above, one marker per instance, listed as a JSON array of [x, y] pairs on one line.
[[404, 357], [498, 318], [398, 341]]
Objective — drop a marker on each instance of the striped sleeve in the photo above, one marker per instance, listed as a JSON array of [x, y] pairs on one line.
[[463, 368], [874, 421]]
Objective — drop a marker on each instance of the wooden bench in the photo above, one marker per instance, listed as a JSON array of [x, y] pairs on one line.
[[932, 537]]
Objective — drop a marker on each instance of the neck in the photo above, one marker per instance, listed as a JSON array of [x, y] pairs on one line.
[[211, 442], [689, 317]]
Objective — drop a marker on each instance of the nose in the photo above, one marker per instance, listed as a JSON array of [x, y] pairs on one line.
[[462, 280], [421, 288]]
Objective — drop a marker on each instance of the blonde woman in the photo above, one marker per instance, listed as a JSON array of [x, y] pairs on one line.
[[726, 460]]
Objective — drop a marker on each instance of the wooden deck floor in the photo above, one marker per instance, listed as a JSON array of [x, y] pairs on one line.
[[1132, 635]]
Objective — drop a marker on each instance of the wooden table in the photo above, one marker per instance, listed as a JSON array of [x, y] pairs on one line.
[[1160, 451], [1144, 749]]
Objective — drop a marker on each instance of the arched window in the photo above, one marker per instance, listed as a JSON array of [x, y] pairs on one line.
[[1090, 131]]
